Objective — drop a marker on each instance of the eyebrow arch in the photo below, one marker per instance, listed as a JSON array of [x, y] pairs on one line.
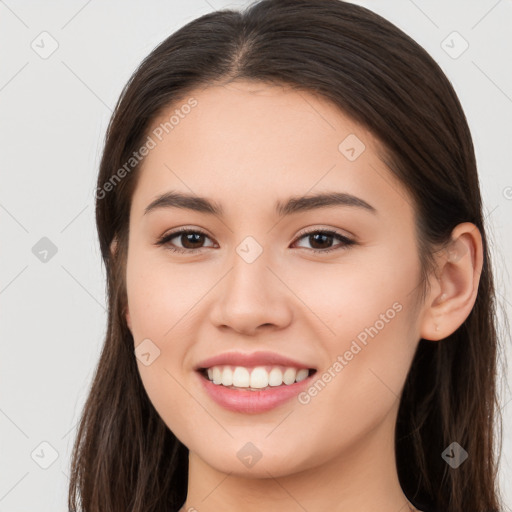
[[293, 205]]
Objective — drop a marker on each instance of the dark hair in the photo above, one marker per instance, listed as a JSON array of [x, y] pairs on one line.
[[125, 457]]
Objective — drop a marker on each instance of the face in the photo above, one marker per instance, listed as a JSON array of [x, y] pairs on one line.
[[329, 285]]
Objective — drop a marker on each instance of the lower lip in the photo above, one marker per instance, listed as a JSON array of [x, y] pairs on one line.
[[251, 402]]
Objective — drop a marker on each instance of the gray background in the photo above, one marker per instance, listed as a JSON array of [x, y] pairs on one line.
[[54, 112]]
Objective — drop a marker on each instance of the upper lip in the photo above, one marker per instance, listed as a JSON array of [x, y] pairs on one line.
[[252, 359]]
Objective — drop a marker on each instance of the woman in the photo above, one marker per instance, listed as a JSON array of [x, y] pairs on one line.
[[301, 301]]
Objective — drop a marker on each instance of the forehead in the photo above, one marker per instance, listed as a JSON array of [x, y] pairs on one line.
[[246, 141]]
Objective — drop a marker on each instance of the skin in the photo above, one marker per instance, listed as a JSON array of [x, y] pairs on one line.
[[245, 146]]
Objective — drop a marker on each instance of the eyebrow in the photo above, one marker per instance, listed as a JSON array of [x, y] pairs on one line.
[[293, 205]]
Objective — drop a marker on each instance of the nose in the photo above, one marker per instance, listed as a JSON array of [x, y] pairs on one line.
[[251, 298]]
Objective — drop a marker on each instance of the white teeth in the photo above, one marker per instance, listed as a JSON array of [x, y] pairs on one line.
[[241, 377], [302, 374], [227, 376], [217, 375], [289, 375], [259, 378], [275, 377], [256, 378]]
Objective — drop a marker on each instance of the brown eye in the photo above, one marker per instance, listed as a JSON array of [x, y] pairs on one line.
[[191, 240], [319, 239]]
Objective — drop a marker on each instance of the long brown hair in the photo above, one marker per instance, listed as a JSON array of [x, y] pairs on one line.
[[125, 458]]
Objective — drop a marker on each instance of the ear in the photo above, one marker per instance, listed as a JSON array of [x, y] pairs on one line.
[[455, 287], [113, 248], [128, 318]]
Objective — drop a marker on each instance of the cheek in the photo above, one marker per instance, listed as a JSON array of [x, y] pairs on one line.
[[161, 301], [161, 320], [159, 297], [369, 356], [348, 297], [366, 312]]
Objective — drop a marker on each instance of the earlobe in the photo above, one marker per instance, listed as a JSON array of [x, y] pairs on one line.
[[454, 294], [113, 246], [128, 319], [113, 249]]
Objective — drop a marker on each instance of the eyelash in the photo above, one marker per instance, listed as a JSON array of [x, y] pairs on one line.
[[164, 240]]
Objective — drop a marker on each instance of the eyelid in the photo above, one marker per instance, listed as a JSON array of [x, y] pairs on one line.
[[323, 228]]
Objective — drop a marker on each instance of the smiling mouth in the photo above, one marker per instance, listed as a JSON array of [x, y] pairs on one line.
[[258, 378]]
